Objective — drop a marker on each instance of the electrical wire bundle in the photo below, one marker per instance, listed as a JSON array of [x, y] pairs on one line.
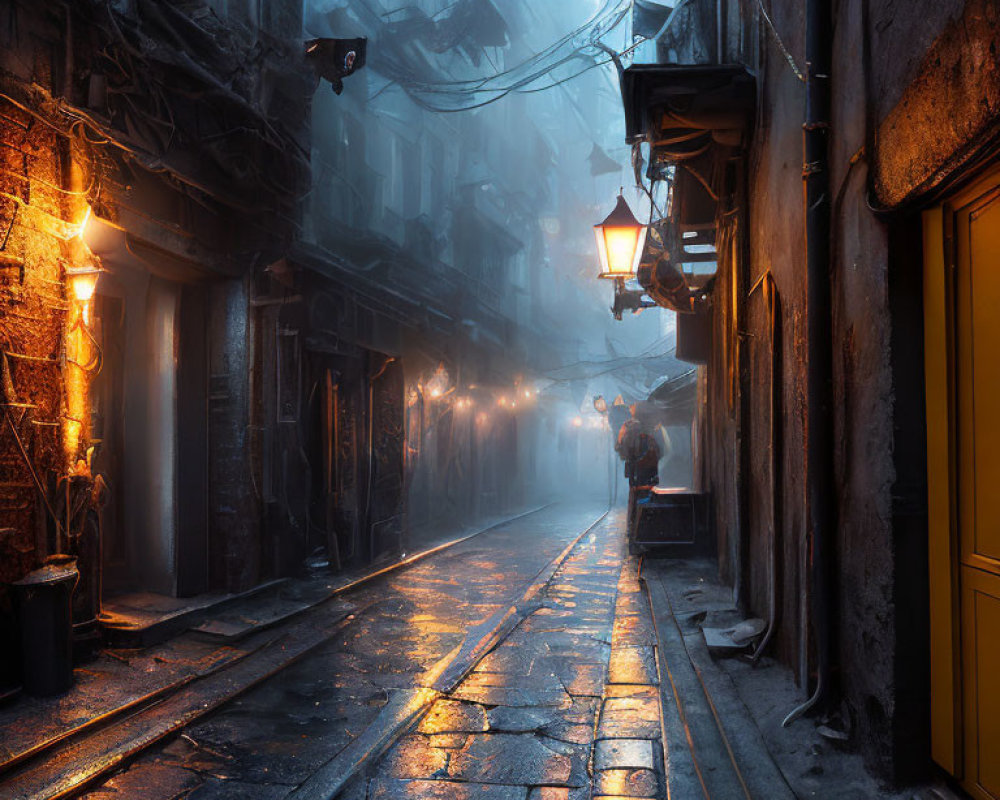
[[409, 70]]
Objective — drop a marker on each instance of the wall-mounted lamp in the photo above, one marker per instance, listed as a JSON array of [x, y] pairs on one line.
[[82, 280], [620, 241]]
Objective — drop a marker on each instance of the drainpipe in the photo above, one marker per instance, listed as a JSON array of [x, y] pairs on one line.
[[772, 303], [819, 425]]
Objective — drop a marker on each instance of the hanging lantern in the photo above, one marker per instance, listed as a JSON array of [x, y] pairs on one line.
[[620, 240]]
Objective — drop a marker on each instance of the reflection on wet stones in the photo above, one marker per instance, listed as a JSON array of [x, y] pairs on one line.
[[627, 783], [509, 758], [442, 790], [451, 716]]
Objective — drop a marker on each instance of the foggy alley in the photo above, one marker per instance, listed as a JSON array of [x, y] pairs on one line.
[[499, 399]]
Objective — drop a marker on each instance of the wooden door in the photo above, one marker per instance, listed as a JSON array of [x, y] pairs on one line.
[[977, 374]]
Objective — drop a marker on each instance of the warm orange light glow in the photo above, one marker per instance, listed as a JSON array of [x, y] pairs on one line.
[[618, 248], [438, 385], [82, 271], [620, 241], [77, 382], [82, 227], [83, 284], [482, 418], [501, 401], [577, 422]]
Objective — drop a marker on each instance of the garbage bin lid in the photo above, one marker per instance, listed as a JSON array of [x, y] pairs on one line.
[[50, 573]]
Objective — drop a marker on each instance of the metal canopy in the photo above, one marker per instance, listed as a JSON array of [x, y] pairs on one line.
[[670, 105]]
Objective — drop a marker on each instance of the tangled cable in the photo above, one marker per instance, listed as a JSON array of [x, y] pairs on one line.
[[582, 46]]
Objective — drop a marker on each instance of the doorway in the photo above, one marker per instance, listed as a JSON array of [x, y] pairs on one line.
[[149, 414], [961, 295]]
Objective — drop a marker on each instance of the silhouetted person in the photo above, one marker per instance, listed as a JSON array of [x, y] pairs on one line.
[[638, 449]]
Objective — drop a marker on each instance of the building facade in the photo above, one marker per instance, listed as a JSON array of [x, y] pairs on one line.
[[897, 111], [312, 336]]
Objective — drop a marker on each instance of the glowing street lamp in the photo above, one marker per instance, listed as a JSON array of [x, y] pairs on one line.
[[620, 241], [82, 280]]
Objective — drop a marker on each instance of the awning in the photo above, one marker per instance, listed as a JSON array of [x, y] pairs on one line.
[[685, 107]]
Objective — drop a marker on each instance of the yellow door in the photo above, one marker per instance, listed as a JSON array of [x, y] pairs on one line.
[[962, 371], [977, 398]]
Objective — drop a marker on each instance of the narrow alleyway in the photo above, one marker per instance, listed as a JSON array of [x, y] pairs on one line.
[[335, 333]]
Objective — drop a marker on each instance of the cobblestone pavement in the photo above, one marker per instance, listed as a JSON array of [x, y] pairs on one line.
[[273, 738], [527, 663], [567, 706]]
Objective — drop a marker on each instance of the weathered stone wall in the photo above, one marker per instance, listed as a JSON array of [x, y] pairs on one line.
[[37, 213], [863, 418], [775, 231], [925, 107], [935, 92], [33, 306]]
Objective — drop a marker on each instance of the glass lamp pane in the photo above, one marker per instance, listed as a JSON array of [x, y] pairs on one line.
[[83, 284]]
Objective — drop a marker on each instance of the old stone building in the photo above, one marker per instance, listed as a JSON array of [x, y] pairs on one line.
[[239, 330], [140, 146], [871, 560]]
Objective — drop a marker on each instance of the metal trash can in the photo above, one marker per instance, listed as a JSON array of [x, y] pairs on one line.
[[43, 600]]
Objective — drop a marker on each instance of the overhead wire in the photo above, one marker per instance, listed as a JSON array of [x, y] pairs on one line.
[[464, 95]]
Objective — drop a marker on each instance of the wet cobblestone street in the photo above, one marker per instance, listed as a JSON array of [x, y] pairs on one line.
[[524, 721], [547, 675], [535, 660]]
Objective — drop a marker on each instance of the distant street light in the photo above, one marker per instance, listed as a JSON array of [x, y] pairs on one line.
[[439, 384], [620, 241]]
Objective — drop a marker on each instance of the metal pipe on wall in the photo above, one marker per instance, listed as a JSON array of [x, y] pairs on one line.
[[819, 423], [772, 303]]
